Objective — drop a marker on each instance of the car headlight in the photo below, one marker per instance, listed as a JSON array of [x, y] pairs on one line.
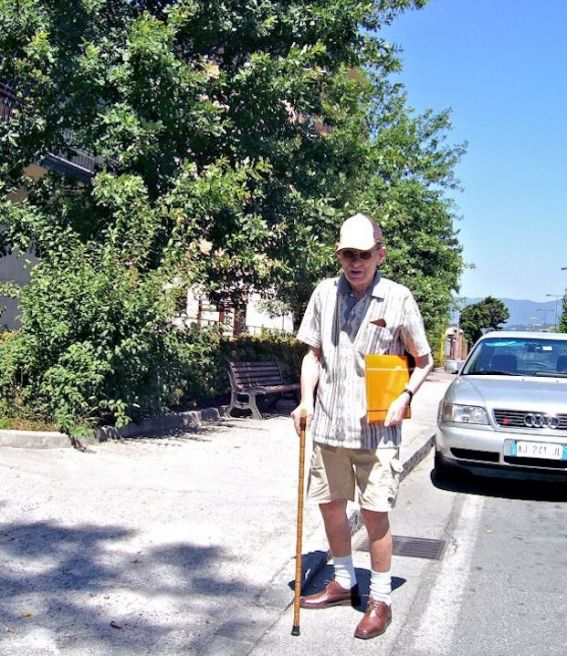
[[464, 414]]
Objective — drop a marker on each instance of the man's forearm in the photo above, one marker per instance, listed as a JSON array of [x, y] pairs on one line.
[[423, 365], [309, 377]]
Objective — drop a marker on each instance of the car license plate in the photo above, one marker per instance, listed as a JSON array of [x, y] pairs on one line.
[[544, 450]]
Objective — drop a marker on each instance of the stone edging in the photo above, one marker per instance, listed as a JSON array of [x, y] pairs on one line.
[[191, 419]]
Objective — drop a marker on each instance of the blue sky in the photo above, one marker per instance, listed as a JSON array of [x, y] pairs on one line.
[[501, 66]]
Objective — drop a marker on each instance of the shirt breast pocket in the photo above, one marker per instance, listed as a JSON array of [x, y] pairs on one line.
[[375, 339]]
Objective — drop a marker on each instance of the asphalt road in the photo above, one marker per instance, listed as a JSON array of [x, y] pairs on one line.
[[503, 591]]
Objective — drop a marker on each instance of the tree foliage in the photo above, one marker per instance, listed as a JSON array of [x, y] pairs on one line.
[[563, 320], [488, 314], [412, 168], [231, 139]]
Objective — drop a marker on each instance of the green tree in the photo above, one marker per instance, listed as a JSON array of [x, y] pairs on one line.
[[228, 139], [497, 312], [487, 314], [563, 320], [396, 167], [412, 170]]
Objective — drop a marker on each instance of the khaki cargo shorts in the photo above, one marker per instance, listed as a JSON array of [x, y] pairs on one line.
[[336, 473]]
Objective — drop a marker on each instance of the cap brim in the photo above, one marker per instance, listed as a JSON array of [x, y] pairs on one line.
[[360, 245]]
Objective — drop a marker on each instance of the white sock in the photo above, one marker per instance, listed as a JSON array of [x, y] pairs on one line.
[[344, 571], [381, 586]]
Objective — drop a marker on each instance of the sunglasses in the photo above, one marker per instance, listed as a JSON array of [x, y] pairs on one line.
[[350, 254]]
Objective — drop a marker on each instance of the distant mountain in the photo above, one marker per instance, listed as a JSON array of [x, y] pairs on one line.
[[526, 315]]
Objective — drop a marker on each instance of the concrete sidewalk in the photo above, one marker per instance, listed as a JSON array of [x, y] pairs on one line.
[[177, 544]]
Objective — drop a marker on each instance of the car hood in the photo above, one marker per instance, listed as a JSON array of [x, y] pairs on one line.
[[518, 392]]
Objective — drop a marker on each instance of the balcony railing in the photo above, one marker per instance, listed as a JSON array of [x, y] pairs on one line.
[[79, 165], [7, 101]]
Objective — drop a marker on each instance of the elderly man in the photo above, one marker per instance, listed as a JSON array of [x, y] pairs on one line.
[[359, 312]]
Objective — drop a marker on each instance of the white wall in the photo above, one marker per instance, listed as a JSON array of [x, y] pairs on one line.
[[12, 269], [255, 319]]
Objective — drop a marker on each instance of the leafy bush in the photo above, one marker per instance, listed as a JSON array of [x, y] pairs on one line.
[[120, 357], [270, 345], [209, 381], [97, 345]]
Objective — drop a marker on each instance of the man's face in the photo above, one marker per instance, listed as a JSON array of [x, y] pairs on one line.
[[359, 267]]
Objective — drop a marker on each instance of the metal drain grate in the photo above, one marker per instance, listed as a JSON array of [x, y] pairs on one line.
[[413, 547]]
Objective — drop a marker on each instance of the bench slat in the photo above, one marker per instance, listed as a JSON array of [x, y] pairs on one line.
[[281, 388], [274, 373], [257, 365], [261, 372], [243, 381]]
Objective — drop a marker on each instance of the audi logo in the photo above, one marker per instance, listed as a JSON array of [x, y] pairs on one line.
[[532, 420]]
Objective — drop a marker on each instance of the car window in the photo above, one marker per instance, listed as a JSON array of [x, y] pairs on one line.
[[518, 356]]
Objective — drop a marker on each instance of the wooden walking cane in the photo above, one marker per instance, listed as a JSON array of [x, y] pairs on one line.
[[298, 546]]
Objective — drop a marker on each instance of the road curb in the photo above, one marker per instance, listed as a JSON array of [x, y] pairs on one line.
[[191, 419], [34, 439], [418, 455]]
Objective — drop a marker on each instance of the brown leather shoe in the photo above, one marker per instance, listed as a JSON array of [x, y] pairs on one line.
[[376, 620], [332, 595]]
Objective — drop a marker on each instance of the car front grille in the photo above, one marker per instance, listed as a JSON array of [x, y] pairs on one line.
[[529, 419]]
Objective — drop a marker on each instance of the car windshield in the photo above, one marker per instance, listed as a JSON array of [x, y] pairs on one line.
[[522, 356]]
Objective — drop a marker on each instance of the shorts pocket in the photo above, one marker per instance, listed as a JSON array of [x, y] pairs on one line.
[[397, 468]]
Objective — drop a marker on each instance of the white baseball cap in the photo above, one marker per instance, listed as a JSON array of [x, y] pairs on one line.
[[359, 232]]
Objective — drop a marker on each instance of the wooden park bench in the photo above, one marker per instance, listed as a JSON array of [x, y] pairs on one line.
[[249, 380]]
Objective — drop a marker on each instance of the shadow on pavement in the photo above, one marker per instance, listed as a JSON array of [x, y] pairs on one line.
[[281, 408], [91, 590], [185, 434], [506, 488]]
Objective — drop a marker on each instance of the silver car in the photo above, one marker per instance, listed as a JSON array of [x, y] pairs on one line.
[[506, 410]]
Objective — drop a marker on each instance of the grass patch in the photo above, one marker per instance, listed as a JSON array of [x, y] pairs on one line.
[[26, 424], [15, 415]]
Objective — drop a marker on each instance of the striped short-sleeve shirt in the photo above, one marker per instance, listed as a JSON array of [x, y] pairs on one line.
[[385, 320]]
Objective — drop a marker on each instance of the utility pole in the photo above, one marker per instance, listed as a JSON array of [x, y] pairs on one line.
[[564, 308], [556, 297], [545, 311]]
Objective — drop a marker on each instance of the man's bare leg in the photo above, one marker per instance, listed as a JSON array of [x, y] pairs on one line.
[[379, 538], [337, 527]]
